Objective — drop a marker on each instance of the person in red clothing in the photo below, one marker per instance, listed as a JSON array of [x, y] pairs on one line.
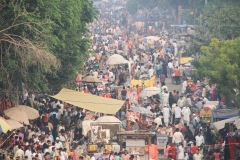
[[184, 128], [138, 92], [194, 148], [101, 94], [177, 75], [127, 105], [108, 95], [172, 152]]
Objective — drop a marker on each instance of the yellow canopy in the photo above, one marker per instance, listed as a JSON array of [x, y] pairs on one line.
[[185, 60], [89, 101], [147, 83]]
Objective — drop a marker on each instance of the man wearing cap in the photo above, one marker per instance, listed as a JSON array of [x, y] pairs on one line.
[[58, 144]]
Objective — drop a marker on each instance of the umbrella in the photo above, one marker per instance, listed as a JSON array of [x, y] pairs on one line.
[[115, 59], [106, 119], [91, 79], [150, 91], [14, 124], [153, 38], [18, 115], [31, 112], [141, 110], [4, 125], [119, 7]]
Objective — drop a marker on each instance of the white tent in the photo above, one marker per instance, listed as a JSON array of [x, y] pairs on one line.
[[220, 124]]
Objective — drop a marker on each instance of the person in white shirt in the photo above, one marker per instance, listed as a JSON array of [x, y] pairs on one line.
[[180, 151], [176, 63], [199, 139], [58, 144], [181, 102], [158, 120], [19, 153], [150, 72], [170, 68], [178, 114], [28, 153], [95, 73], [186, 114], [178, 137], [197, 155], [184, 86], [63, 154], [142, 69], [166, 115], [165, 97]]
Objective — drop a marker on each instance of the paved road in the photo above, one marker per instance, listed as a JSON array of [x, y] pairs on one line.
[[171, 86]]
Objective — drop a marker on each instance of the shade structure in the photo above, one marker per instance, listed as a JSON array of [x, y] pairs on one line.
[[119, 7], [108, 119], [18, 115], [91, 79], [4, 125], [220, 124], [31, 112], [210, 106], [14, 124], [141, 110], [89, 101], [150, 91], [152, 38], [115, 59]]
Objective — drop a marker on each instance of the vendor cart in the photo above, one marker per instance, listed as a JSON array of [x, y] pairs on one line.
[[173, 79]]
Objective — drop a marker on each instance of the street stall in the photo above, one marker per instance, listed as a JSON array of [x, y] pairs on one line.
[[136, 142], [206, 111], [103, 134], [221, 114]]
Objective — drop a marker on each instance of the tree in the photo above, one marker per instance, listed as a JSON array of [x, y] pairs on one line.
[[42, 42], [220, 64], [223, 22], [21, 52]]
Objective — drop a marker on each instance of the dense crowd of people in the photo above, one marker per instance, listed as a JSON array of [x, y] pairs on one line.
[[58, 131]]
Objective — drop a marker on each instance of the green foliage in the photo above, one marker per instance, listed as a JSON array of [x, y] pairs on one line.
[[42, 42], [221, 65], [223, 22]]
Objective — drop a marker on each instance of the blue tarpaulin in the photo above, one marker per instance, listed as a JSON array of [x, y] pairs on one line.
[[225, 113], [180, 26]]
